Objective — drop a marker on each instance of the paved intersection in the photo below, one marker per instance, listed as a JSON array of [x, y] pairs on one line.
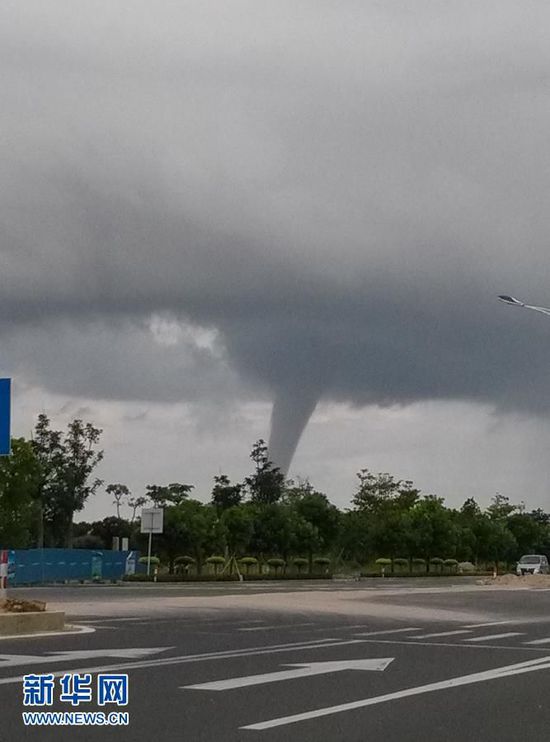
[[214, 674]]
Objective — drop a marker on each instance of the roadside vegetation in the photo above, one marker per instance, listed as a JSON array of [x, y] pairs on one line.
[[263, 527]]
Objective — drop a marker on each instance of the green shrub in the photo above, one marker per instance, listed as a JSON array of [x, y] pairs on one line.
[[436, 562], [383, 563], [154, 561], [276, 563], [185, 560], [451, 564], [248, 561], [216, 562], [300, 562], [401, 562]]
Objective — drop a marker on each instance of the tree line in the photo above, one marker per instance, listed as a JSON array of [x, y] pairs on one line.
[[48, 479]]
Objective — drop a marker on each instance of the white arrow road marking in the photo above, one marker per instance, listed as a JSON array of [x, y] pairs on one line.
[[302, 671], [542, 663], [208, 656], [13, 660]]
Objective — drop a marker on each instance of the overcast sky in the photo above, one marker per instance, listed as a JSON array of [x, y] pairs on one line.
[[210, 206]]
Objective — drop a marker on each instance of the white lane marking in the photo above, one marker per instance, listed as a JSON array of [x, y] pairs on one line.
[[227, 654], [276, 626], [14, 660], [300, 671], [500, 672], [68, 630], [443, 633], [455, 645], [389, 631], [494, 636], [481, 625], [539, 641]]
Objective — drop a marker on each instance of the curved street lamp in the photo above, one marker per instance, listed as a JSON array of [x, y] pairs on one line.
[[517, 303]]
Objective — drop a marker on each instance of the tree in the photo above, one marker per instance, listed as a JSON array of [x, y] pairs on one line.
[[267, 483], [189, 526], [272, 530], [110, 527], [78, 461], [316, 524], [376, 490], [432, 529], [48, 450], [136, 502], [66, 463], [224, 494], [19, 482], [238, 526], [500, 507], [119, 492], [170, 494]]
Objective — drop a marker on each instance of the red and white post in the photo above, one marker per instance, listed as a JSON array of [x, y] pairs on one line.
[[3, 573]]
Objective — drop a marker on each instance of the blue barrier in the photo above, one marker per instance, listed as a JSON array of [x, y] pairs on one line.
[[38, 566]]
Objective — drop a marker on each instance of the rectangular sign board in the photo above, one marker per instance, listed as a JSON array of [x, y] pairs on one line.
[[152, 520], [5, 417]]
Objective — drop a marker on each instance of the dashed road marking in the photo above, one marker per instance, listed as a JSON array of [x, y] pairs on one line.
[[443, 633], [494, 636], [277, 626], [389, 631]]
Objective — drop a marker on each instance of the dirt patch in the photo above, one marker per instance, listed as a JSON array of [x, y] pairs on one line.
[[511, 580], [13, 605]]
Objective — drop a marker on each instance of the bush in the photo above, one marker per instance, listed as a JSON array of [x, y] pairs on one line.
[[154, 561], [300, 562], [383, 563], [401, 562], [185, 560], [276, 563], [248, 561], [451, 564], [216, 562]]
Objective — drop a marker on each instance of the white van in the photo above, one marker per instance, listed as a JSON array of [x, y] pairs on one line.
[[532, 564]]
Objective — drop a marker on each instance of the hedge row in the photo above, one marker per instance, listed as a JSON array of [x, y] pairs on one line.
[[221, 578]]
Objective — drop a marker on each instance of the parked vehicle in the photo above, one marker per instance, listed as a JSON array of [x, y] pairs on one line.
[[532, 564]]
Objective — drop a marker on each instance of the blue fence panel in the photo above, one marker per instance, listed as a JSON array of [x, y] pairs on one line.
[[36, 566]]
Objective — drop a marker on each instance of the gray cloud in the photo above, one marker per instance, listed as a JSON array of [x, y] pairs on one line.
[[340, 190]]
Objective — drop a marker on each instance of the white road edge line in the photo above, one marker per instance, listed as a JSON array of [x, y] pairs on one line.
[[539, 641], [542, 663]]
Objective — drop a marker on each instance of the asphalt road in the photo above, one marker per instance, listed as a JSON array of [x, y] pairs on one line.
[[392, 678]]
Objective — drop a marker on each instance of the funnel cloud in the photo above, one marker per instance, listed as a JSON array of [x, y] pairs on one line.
[[320, 201]]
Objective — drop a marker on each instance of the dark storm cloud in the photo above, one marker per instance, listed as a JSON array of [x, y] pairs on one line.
[[341, 189]]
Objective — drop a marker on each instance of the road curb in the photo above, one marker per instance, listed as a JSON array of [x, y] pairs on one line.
[[15, 624]]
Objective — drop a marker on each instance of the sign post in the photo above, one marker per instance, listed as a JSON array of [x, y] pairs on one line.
[[5, 417], [151, 522], [5, 450]]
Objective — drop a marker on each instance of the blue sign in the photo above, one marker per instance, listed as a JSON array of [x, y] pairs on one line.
[[5, 415]]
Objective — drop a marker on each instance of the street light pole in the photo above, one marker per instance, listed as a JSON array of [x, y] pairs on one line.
[[517, 303]]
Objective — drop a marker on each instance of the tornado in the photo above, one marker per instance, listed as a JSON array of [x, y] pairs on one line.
[[292, 409]]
